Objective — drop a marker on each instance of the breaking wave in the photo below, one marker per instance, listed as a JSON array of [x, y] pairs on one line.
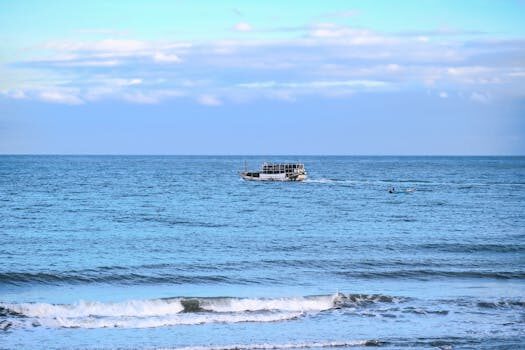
[[178, 311]]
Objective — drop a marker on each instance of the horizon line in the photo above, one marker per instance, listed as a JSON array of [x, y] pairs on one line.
[[254, 155]]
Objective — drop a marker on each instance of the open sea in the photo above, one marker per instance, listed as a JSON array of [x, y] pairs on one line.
[[177, 252]]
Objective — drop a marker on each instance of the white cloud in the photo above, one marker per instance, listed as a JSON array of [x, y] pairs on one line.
[[88, 52], [107, 87], [99, 92], [429, 81], [347, 83], [478, 74], [349, 35], [480, 97], [60, 97], [329, 30], [209, 100], [180, 45], [392, 67], [328, 59], [258, 85], [467, 70], [140, 97], [243, 27], [126, 82], [166, 58], [292, 91], [92, 63], [151, 97], [112, 45], [315, 84], [16, 94]]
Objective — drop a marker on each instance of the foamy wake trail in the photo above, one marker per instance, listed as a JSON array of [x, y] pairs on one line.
[[268, 346], [173, 311], [321, 181]]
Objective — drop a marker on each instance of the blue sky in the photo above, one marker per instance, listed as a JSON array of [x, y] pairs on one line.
[[273, 77]]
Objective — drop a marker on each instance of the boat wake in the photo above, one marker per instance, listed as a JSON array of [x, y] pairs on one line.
[[285, 346]]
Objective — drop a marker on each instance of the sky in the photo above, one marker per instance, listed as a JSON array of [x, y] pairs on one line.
[[382, 77]]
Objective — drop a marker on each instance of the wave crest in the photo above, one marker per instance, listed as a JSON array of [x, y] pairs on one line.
[[179, 310]]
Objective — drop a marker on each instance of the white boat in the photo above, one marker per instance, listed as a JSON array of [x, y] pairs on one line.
[[277, 172]]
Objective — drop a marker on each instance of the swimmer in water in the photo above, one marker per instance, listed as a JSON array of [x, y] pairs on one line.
[[391, 190]]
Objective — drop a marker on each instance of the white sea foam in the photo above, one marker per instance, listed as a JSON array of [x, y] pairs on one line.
[[131, 308], [167, 312], [176, 311], [321, 181], [306, 304], [269, 346], [162, 307], [163, 321]]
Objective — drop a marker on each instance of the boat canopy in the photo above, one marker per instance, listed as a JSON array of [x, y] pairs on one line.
[[278, 168]]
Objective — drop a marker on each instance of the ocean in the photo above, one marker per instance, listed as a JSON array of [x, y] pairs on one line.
[[177, 252]]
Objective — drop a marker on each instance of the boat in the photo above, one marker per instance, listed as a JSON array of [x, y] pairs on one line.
[[276, 172]]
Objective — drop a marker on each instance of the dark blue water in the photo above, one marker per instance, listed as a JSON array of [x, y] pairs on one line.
[[179, 252]]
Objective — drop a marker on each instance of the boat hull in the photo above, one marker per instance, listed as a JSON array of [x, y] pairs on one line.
[[272, 177]]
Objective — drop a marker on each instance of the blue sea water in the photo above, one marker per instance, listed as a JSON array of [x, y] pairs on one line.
[[127, 252]]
